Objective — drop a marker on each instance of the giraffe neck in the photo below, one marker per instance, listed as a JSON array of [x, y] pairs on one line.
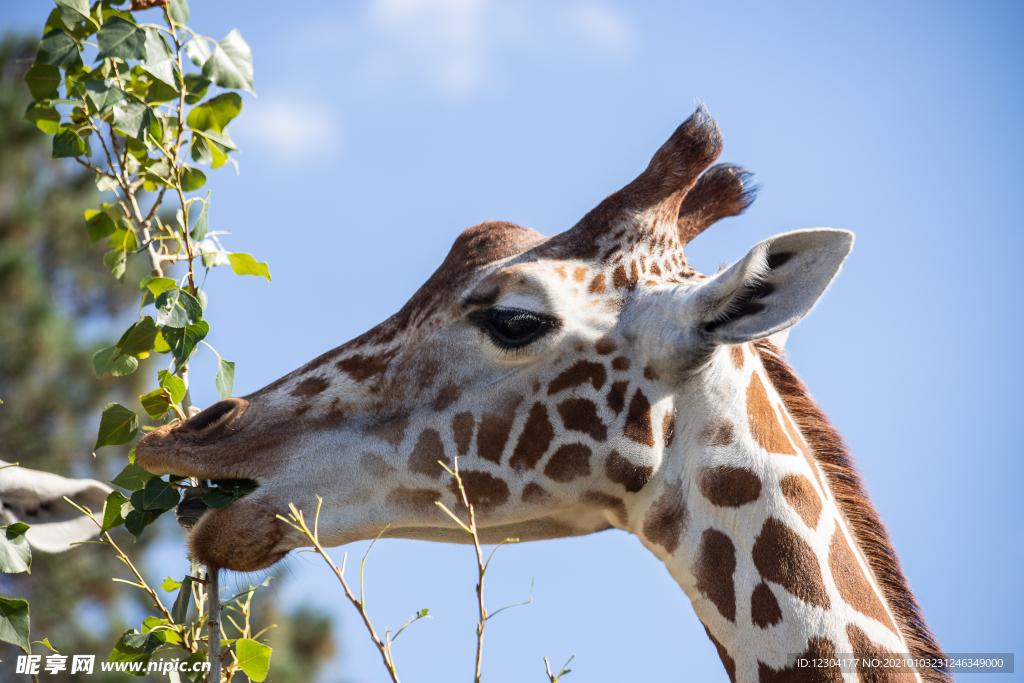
[[750, 525]]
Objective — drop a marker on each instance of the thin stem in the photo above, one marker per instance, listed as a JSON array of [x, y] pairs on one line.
[[213, 624]]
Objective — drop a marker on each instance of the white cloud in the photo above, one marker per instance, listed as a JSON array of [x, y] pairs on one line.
[[602, 26], [292, 130], [455, 44], [446, 38]]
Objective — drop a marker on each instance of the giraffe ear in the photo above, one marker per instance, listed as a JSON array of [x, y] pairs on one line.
[[772, 287]]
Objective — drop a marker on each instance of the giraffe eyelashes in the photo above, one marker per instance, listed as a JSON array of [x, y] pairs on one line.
[[513, 328]]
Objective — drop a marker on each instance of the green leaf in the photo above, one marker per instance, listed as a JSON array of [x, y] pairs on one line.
[[179, 11], [198, 50], [203, 222], [244, 264], [122, 39], [45, 118], [132, 478], [59, 49], [230, 65], [138, 340], [180, 609], [67, 144], [177, 308], [103, 97], [191, 178], [216, 113], [196, 86], [118, 425], [156, 403], [205, 153], [183, 341], [160, 61], [15, 553], [133, 117], [105, 183], [190, 670], [73, 11], [42, 80], [170, 584], [253, 658], [157, 495], [112, 517], [227, 492], [110, 360], [117, 261], [225, 377], [161, 345], [14, 623], [135, 521], [158, 285], [173, 384]]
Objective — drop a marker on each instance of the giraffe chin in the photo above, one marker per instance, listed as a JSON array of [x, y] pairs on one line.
[[244, 536]]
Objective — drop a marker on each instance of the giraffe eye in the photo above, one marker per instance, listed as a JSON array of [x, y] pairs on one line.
[[513, 328]]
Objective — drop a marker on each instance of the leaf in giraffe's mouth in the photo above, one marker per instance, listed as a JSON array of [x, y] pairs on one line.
[[198, 500]]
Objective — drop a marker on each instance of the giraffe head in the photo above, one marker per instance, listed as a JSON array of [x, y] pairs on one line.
[[557, 369]]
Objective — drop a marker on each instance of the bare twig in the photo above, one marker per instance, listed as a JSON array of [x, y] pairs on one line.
[[297, 521], [213, 623], [482, 566], [553, 678]]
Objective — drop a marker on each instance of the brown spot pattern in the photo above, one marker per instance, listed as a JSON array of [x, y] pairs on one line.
[[484, 492], [617, 396], [536, 438], [802, 497], [736, 354], [580, 415], [579, 274], [426, 453], [666, 518], [597, 284], [361, 368], [619, 277], [391, 429], [717, 432], [581, 372], [603, 501], [764, 608], [853, 586], [604, 346], [375, 465], [728, 486], [570, 461], [638, 425], [462, 430], [650, 373], [864, 650], [786, 559], [620, 363], [534, 493], [668, 427], [802, 447], [622, 471], [817, 648], [310, 387], [713, 569], [728, 662], [493, 434], [446, 396], [412, 500], [764, 424]]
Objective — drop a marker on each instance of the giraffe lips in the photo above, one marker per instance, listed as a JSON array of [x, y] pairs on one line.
[[192, 507], [198, 500]]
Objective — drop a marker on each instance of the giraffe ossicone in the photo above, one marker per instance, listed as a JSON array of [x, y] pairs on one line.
[[587, 381]]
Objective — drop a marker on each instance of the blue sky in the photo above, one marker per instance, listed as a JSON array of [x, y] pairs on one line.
[[384, 128]]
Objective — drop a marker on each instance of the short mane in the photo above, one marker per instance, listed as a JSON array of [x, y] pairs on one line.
[[831, 453]]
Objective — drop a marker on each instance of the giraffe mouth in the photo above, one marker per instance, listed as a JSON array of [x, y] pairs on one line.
[[214, 494]]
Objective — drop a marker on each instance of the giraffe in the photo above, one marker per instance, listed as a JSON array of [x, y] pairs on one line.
[[588, 381]]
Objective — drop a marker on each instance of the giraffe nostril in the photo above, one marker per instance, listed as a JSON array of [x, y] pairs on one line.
[[220, 415]]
